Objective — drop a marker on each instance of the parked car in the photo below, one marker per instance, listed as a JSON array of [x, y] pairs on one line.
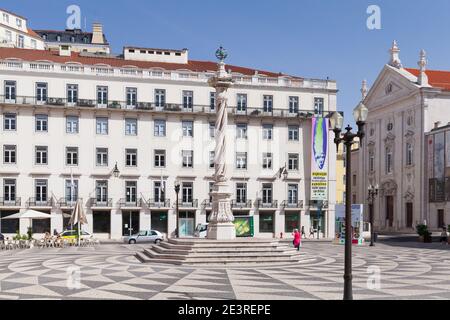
[[72, 234], [144, 236], [201, 231]]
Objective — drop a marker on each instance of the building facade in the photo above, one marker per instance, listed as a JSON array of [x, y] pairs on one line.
[[68, 121], [404, 105], [14, 32]]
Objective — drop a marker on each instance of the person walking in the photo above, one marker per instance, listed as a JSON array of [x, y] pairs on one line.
[[297, 239], [303, 233], [444, 236], [311, 232]]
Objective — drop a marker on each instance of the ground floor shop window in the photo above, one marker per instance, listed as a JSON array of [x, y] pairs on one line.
[[41, 225], [8, 226], [130, 222], [159, 221], [101, 221], [186, 223], [317, 219], [291, 222], [266, 222]]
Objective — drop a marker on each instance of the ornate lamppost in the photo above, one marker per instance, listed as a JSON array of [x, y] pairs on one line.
[[177, 191], [372, 194], [337, 120], [221, 226]]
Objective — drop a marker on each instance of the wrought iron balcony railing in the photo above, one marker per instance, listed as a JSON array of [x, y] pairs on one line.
[[158, 203], [97, 203], [266, 204], [207, 203], [68, 203], [34, 202], [318, 204], [292, 204], [10, 202], [127, 203], [188, 204], [241, 204]]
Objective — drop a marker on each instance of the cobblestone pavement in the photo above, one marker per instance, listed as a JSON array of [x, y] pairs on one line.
[[110, 271]]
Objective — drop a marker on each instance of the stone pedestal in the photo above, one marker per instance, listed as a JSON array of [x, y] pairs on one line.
[[221, 226]]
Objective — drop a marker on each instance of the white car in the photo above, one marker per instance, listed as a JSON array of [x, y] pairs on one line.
[[201, 231], [144, 236]]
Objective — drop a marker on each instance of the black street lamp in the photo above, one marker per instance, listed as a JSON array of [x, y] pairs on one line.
[[337, 120], [319, 215], [372, 194], [177, 190]]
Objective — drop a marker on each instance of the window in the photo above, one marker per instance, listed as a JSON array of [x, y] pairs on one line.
[[267, 161], [211, 159], [291, 221], [102, 96], [354, 180], [41, 123], [41, 92], [9, 122], [130, 191], [388, 160], [187, 192], [188, 100], [41, 191], [241, 130], [293, 161], [19, 22], [210, 189], [266, 222], [6, 18], [293, 134], [188, 157], [20, 41], [160, 128], [131, 157], [267, 193], [72, 124], [268, 103], [131, 127], [10, 91], [72, 156], [102, 125], [409, 154], [318, 105], [8, 36], [212, 101], [267, 131], [9, 190], [160, 158], [241, 192], [41, 155], [102, 157], [212, 129], [241, 103], [131, 97], [9, 154], [292, 194], [101, 191], [188, 128], [160, 98], [293, 104], [159, 189], [71, 190], [241, 160], [72, 93], [371, 161]]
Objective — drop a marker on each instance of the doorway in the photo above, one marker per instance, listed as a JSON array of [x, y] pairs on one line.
[[130, 222], [440, 216], [390, 210], [409, 214], [187, 223]]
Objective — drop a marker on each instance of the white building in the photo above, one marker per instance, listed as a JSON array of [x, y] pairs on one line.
[[67, 119], [404, 105], [15, 33]]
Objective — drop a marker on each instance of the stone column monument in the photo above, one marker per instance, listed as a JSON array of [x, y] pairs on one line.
[[221, 226]]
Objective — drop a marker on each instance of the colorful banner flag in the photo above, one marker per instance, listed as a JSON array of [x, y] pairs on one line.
[[319, 161]]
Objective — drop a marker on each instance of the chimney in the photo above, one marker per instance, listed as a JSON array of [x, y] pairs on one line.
[[65, 51], [437, 124], [97, 33]]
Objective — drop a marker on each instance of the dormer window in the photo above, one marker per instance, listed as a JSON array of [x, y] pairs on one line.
[[19, 22], [131, 50], [6, 17], [167, 53], [85, 40], [72, 39], [58, 38], [44, 37]]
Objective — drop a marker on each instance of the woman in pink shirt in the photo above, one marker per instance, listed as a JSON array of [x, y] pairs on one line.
[[297, 239]]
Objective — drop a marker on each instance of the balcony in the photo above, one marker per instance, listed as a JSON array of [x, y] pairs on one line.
[[188, 204], [207, 203], [260, 204], [289, 204], [243, 204], [126, 203], [39, 203], [316, 204], [103, 203], [10, 202], [158, 203], [153, 107], [68, 203]]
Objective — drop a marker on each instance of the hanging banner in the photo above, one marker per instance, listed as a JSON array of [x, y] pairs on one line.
[[430, 156], [439, 155], [319, 161]]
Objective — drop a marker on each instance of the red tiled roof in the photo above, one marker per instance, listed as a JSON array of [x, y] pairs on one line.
[[436, 78], [52, 55], [33, 34]]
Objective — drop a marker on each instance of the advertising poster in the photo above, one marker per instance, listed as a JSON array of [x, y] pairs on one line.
[[430, 158], [439, 155], [319, 162]]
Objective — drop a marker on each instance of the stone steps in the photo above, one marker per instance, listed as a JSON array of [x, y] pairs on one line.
[[201, 252]]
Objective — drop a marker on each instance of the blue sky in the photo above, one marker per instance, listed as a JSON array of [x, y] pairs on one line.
[[308, 38]]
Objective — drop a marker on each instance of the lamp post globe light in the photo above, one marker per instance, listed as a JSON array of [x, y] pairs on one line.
[[116, 171], [372, 194], [177, 185], [360, 114]]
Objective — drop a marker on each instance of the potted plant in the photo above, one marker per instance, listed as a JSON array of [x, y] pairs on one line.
[[424, 234]]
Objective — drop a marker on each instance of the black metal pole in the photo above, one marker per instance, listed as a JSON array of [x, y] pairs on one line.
[[372, 231], [319, 213], [348, 293], [177, 190]]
